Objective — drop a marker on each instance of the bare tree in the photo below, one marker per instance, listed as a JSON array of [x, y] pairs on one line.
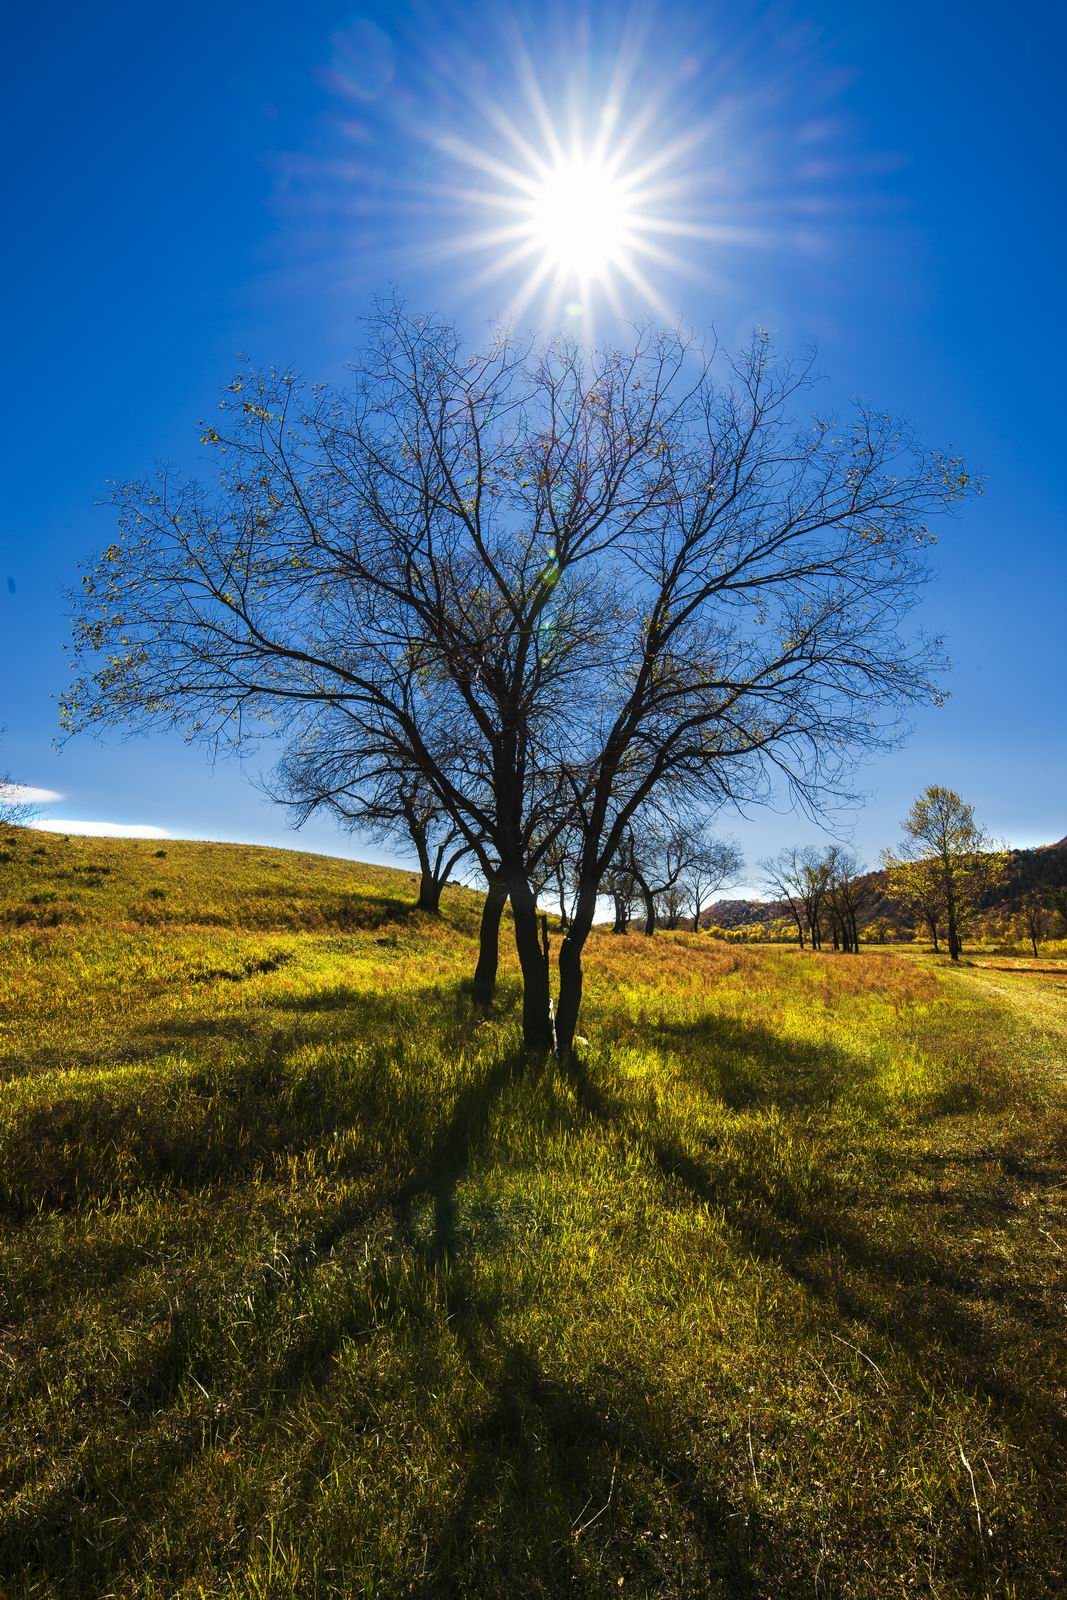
[[621, 883], [670, 906], [818, 875], [849, 894], [714, 865], [394, 806], [678, 866], [784, 879], [654, 853], [557, 584], [16, 810], [819, 887], [552, 874]]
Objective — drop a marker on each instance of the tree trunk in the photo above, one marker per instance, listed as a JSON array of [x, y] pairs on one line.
[[953, 932], [650, 910], [536, 1016], [484, 986], [931, 923], [570, 970], [696, 919], [430, 894]]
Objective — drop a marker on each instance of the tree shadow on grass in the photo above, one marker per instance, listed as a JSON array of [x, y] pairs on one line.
[[244, 1105], [556, 1482], [745, 1064], [57, 1536], [919, 1295], [436, 1179]]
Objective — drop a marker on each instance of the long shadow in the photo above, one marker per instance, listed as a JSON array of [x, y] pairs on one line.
[[58, 1539], [798, 1075], [437, 1179], [546, 1505], [747, 1065], [253, 1109], [912, 1297]]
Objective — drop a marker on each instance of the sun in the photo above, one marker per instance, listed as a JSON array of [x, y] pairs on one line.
[[571, 209], [581, 218]]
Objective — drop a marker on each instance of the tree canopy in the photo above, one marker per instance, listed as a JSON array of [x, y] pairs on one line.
[[554, 583]]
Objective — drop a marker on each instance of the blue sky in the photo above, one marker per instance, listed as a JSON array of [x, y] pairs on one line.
[[184, 186]]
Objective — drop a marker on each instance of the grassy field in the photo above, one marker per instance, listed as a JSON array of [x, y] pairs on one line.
[[311, 1287]]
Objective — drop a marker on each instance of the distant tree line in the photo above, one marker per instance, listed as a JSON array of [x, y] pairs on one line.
[[943, 877], [825, 892]]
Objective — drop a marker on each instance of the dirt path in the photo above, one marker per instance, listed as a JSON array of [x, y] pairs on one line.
[[1039, 1000]]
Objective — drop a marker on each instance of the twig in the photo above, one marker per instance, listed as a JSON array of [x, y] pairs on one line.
[[974, 1492], [590, 1520], [873, 1364], [827, 1376]]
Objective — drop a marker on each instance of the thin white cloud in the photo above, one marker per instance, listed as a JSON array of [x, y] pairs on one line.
[[101, 830], [22, 794]]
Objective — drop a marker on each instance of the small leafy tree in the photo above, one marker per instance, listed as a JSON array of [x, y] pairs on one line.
[[943, 839], [916, 884], [1035, 912]]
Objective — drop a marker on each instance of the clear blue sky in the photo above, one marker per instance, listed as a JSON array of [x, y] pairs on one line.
[[186, 184]]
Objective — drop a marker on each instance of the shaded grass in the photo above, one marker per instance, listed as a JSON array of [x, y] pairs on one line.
[[311, 1286]]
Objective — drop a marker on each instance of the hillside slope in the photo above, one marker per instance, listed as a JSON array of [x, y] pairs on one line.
[[51, 880], [311, 1286]]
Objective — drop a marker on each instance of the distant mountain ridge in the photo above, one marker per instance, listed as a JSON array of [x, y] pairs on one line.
[[1043, 865]]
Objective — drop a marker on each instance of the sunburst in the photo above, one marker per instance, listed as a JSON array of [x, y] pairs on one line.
[[649, 162], [569, 216]]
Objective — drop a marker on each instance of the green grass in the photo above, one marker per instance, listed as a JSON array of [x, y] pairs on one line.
[[310, 1286]]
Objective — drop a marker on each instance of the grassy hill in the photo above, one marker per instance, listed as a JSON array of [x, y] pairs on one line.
[[312, 1287]]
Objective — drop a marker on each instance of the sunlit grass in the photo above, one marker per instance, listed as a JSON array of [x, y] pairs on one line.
[[312, 1287]]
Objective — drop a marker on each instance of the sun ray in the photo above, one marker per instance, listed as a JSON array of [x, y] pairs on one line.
[[609, 184], [645, 288]]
